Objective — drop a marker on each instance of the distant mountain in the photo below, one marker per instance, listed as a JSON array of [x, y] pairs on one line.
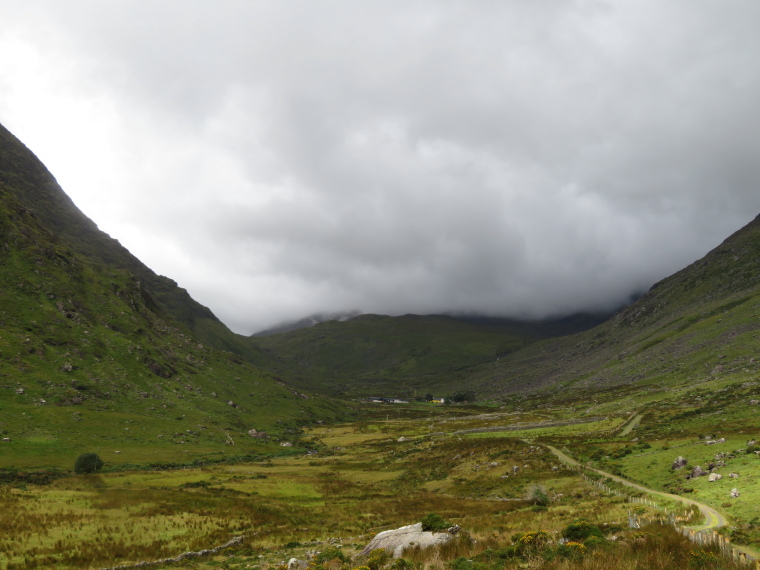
[[701, 323], [306, 323], [98, 350], [402, 356]]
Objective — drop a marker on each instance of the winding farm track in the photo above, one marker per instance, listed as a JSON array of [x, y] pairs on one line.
[[713, 519]]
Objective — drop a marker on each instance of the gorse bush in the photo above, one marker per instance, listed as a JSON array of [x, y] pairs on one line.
[[88, 463]]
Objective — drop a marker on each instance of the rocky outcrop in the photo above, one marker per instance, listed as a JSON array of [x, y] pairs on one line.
[[679, 462], [396, 541]]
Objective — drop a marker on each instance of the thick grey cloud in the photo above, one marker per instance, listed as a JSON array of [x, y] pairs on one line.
[[285, 158]]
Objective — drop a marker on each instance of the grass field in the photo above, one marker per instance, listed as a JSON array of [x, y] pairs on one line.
[[364, 478]]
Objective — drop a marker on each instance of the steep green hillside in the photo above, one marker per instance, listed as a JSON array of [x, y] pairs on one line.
[[698, 325], [400, 356], [91, 358], [36, 189]]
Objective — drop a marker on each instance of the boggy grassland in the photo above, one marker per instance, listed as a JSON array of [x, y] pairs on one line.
[[342, 484]]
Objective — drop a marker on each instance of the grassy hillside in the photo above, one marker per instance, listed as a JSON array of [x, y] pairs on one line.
[[91, 358], [35, 188], [400, 356], [698, 325]]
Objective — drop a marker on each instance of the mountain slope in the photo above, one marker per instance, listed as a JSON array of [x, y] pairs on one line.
[[96, 351], [401, 356], [36, 189], [700, 323]]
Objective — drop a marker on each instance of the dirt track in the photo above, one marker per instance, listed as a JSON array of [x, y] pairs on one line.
[[713, 519]]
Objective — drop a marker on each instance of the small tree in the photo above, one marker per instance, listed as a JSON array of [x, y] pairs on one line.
[[88, 463], [537, 496]]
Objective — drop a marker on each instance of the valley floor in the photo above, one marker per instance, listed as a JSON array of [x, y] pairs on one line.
[[494, 473]]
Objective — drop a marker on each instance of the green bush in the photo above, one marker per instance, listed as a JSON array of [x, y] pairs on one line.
[[594, 542], [88, 463], [433, 523], [331, 553], [581, 530]]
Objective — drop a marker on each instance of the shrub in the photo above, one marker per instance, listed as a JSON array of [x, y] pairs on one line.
[[537, 496], [88, 463], [527, 543], [596, 543], [331, 553], [572, 550], [377, 558], [581, 530], [433, 523]]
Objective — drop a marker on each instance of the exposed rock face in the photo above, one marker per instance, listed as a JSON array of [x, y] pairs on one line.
[[396, 541], [714, 477], [679, 462]]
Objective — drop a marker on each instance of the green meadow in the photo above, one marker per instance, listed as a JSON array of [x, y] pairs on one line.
[[354, 480]]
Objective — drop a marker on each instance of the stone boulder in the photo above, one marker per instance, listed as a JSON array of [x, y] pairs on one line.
[[256, 434], [394, 542], [697, 472], [714, 477], [296, 564], [734, 493], [679, 463]]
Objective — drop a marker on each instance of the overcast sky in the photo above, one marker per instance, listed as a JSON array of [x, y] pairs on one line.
[[282, 158]]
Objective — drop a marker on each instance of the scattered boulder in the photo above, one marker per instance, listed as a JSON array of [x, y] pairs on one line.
[[231, 404], [733, 475], [286, 444], [256, 434], [734, 493], [714, 477], [401, 439], [751, 442], [515, 469], [754, 402], [6, 439], [296, 564], [721, 440], [19, 390], [697, 472], [711, 442], [396, 541], [679, 463]]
